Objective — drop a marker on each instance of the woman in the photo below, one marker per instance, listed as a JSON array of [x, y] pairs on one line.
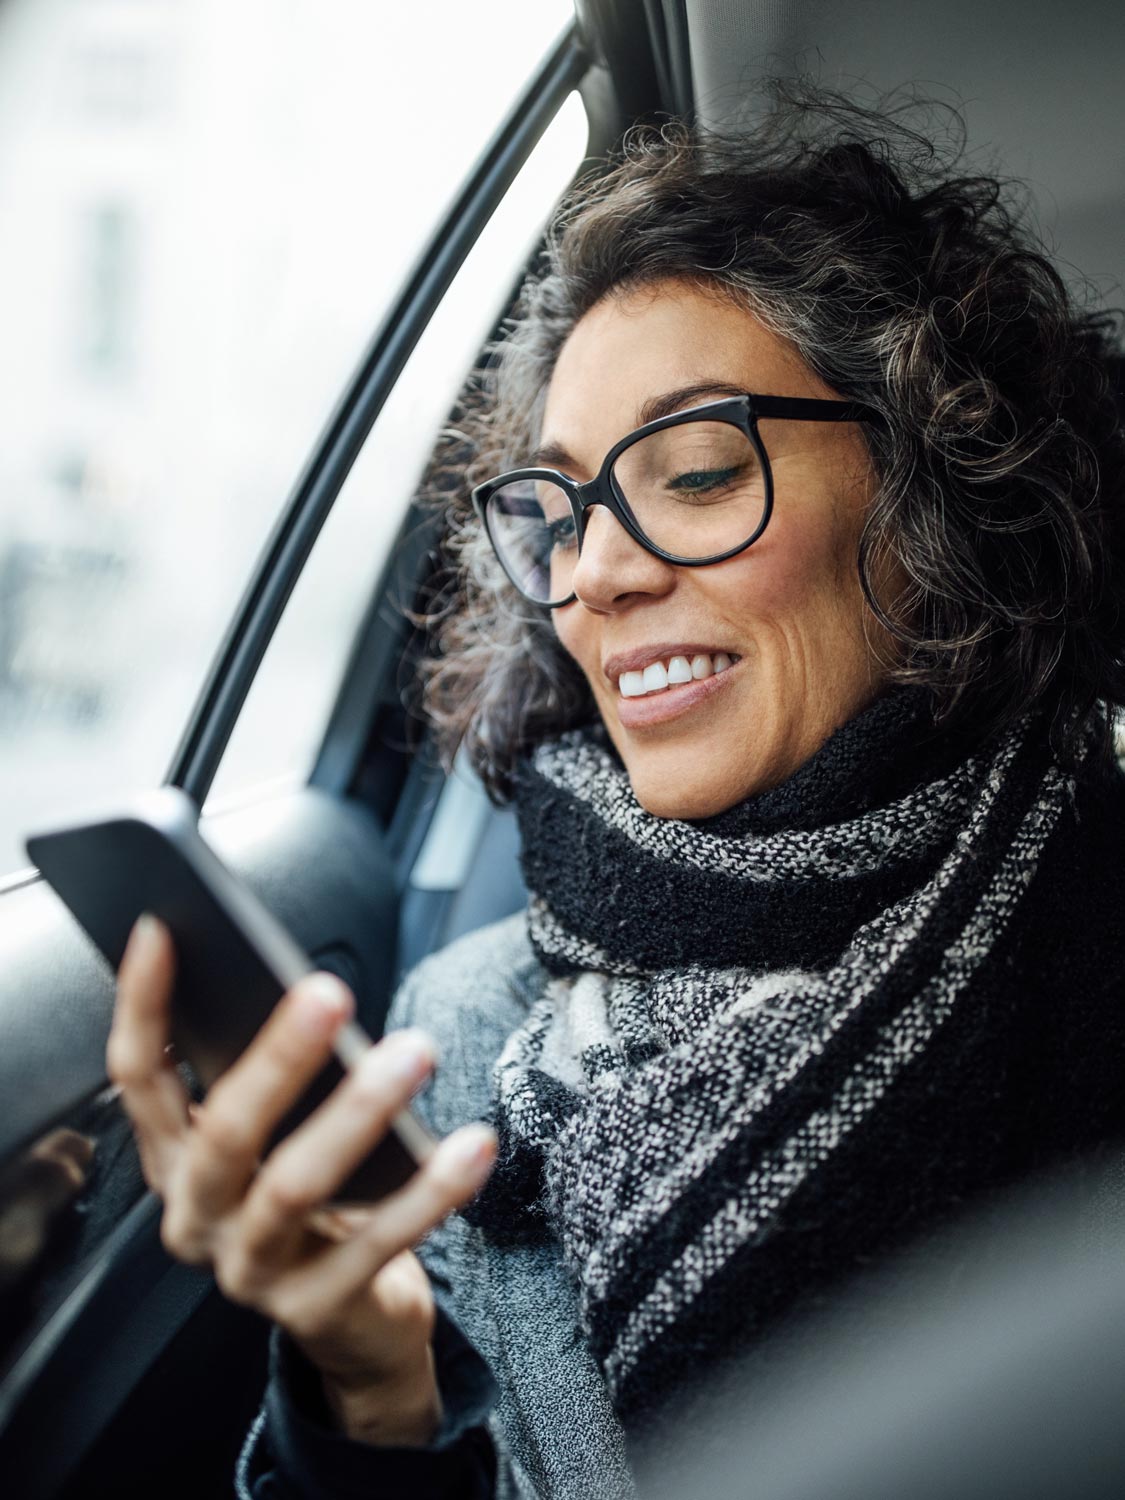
[[789, 610]]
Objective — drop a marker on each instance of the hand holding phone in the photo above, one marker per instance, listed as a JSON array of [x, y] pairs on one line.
[[360, 1306], [300, 1106], [234, 960]]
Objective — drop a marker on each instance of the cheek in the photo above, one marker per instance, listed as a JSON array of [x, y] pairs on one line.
[[800, 570], [562, 620], [573, 630]]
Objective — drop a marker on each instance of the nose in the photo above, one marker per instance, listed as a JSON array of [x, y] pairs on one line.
[[613, 567]]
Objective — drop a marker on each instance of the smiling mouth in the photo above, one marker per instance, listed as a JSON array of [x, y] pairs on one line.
[[676, 671]]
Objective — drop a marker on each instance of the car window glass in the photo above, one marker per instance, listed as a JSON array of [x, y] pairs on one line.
[[205, 210], [279, 730]]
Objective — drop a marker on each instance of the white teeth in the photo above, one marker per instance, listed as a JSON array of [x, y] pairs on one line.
[[656, 677]]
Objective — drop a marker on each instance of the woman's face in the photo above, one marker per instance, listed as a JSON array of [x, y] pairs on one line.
[[789, 611]]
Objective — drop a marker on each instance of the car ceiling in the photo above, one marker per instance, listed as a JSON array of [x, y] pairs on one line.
[[1042, 88]]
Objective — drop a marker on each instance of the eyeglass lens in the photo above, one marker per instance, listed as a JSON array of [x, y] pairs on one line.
[[695, 490]]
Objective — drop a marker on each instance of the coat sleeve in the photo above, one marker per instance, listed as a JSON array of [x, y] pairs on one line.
[[294, 1451]]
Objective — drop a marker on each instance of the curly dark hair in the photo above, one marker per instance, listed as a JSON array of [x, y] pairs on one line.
[[999, 459]]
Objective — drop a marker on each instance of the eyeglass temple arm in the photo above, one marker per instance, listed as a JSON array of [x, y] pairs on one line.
[[811, 409]]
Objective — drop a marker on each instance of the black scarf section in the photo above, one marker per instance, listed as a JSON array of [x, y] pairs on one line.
[[650, 914]]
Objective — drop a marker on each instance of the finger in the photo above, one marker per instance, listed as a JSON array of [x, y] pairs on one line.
[[457, 1169], [312, 1163], [136, 1060], [232, 1128]]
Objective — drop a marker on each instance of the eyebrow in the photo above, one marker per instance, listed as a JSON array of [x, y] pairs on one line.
[[556, 456], [687, 395]]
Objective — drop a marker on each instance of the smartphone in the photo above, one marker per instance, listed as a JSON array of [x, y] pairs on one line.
[[234, 960]]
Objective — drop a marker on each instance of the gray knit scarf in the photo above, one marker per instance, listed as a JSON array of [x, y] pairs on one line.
[[717, 1104]]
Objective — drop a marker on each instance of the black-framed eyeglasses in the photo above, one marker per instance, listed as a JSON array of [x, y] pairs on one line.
[[693, 488]]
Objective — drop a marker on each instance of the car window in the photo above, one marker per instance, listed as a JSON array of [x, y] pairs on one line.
[[205, 210], [278, 733]]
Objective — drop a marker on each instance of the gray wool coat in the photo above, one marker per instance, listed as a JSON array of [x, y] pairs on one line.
[[554, 1429]]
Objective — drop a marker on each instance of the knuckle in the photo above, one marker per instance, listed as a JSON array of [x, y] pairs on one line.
[[293, 1311], [381, 1244], [179, 1238], [221, 1130], [122, 1060], [239, 1276], [285, 1196]]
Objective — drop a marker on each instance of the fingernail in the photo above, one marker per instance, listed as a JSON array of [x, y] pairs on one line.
[[411, 1055], [144, 938], [322, 1004], [473, 1151]]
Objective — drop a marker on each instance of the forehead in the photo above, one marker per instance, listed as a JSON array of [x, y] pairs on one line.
[[639, 344]]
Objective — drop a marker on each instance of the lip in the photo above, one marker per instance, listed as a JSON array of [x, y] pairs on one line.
[[658, 708], [644, 656]]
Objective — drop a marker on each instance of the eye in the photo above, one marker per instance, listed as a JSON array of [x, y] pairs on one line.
[[560, 533], [703, 481]]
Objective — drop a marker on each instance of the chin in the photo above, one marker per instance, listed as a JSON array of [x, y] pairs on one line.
[[688, 803], [689, 785]]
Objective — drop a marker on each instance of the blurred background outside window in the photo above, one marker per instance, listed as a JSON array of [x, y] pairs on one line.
[[204, 209]]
